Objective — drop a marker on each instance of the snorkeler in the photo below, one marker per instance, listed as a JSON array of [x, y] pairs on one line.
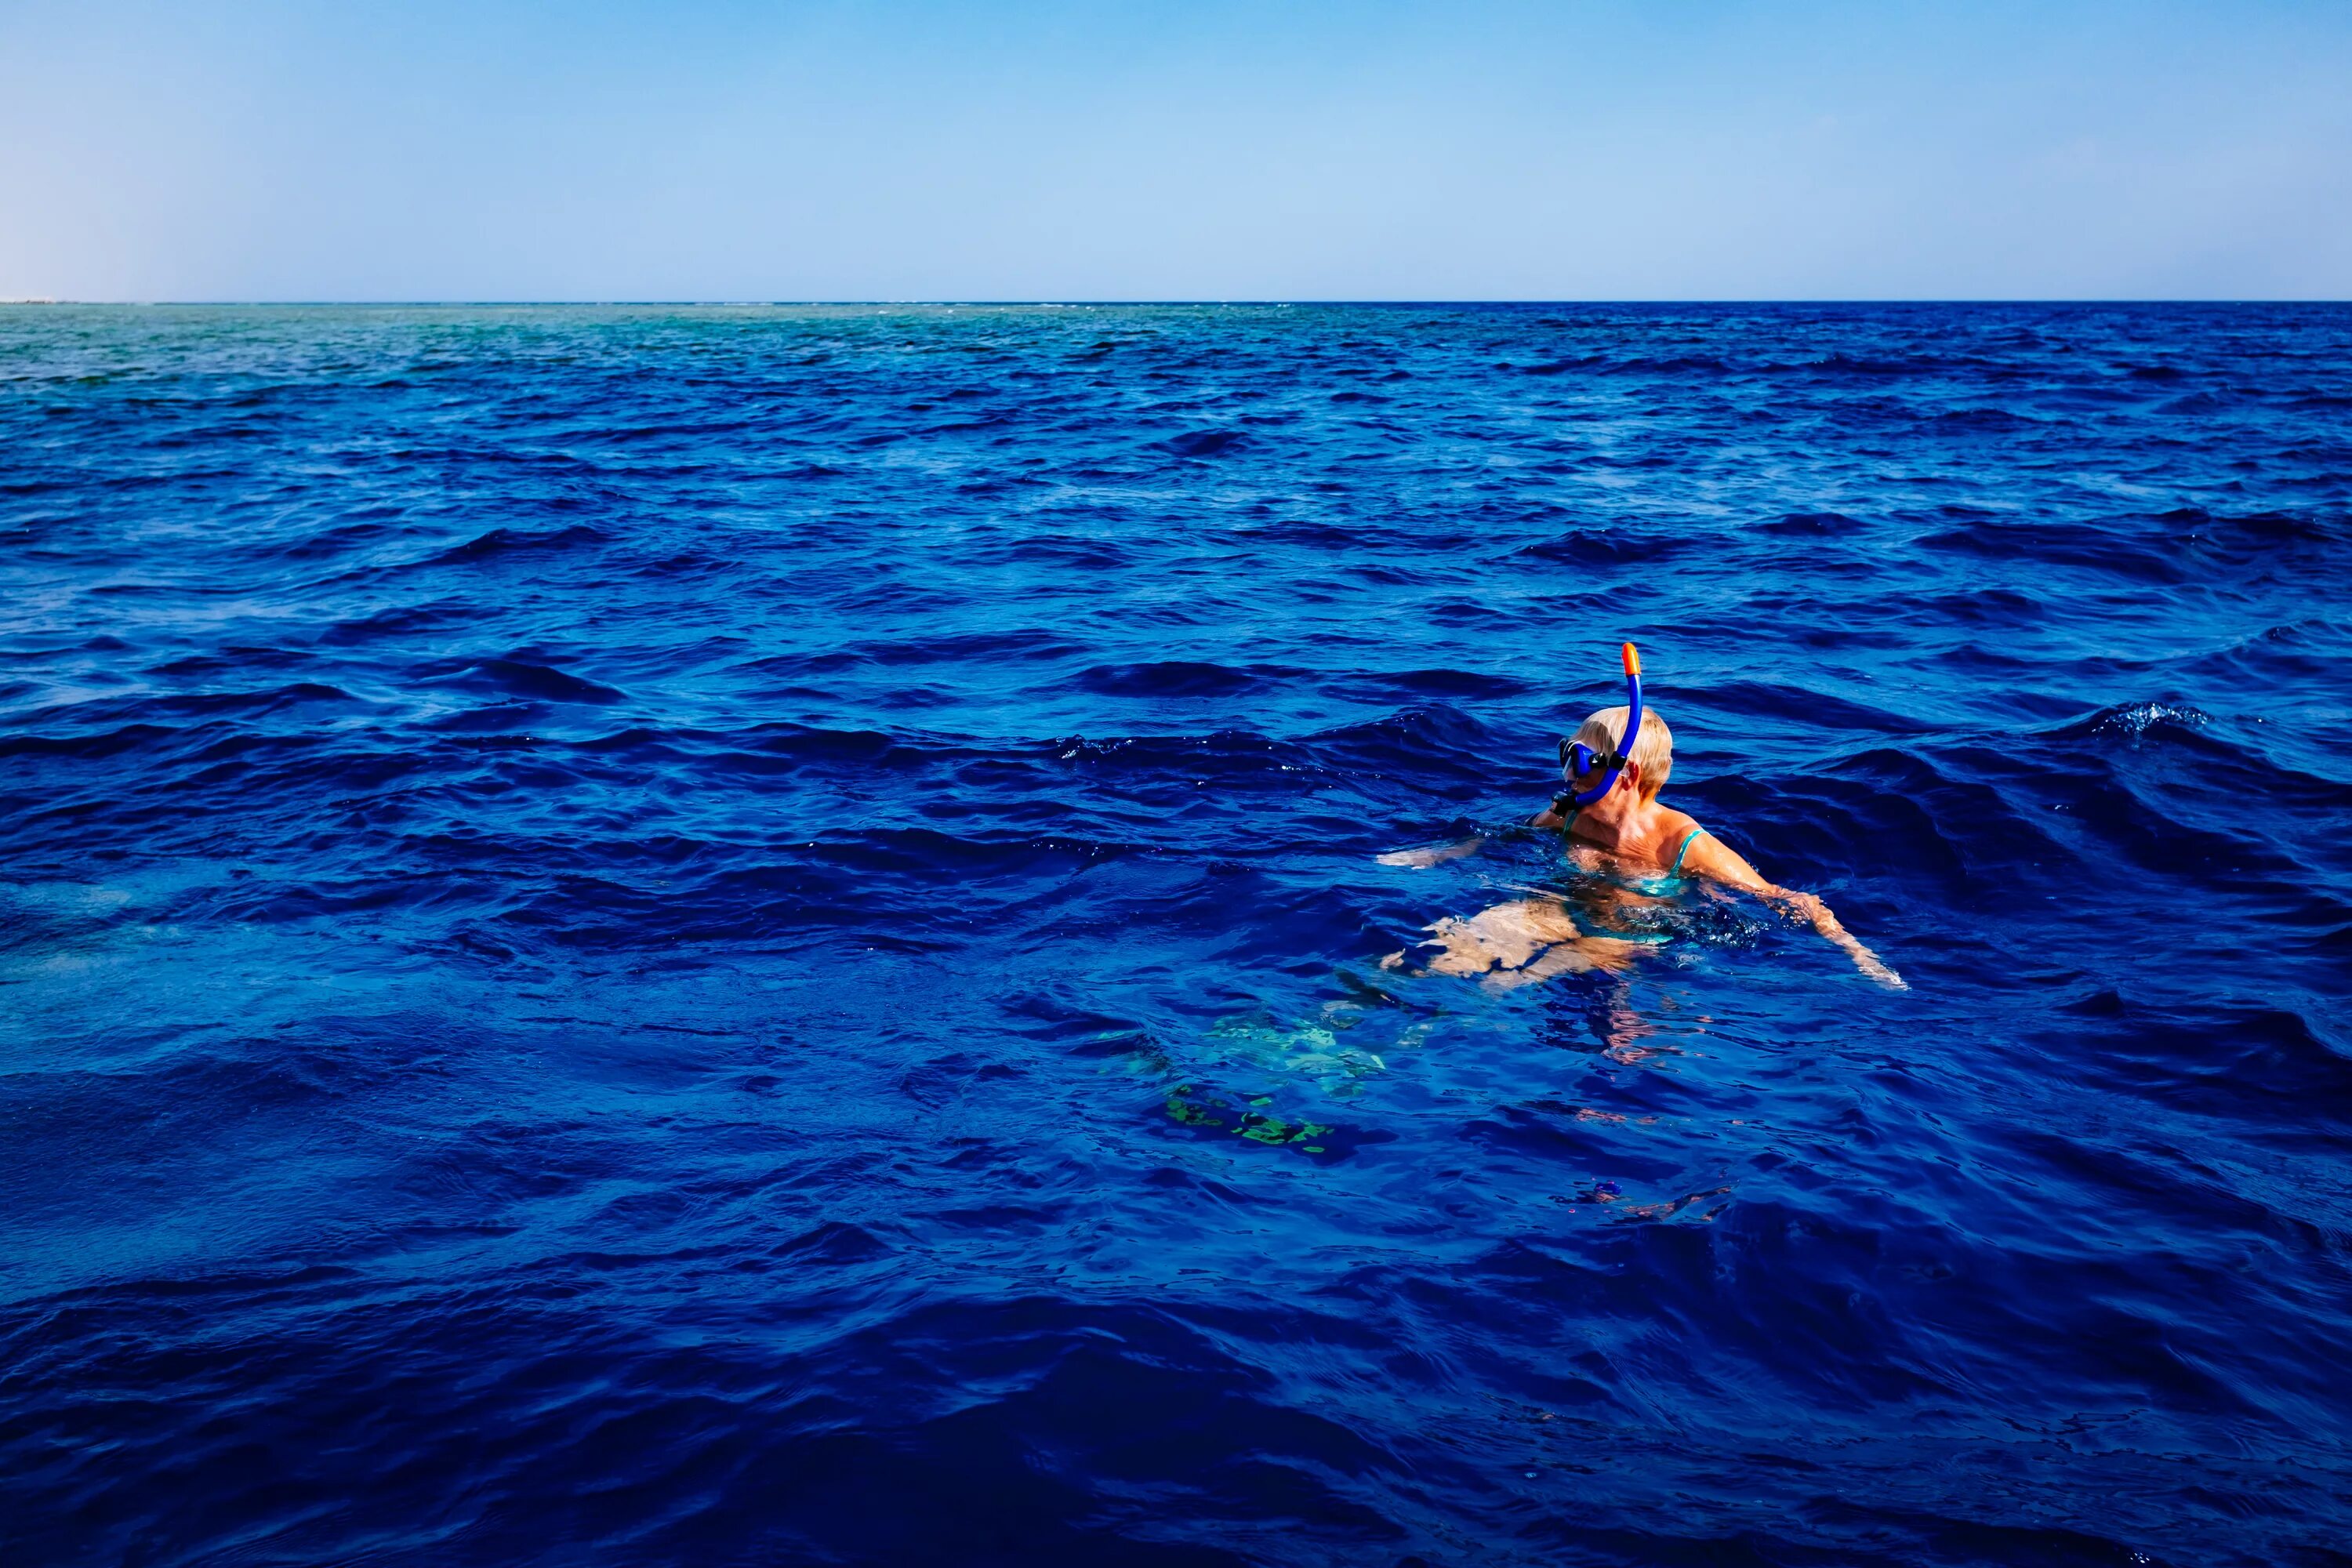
[[1615, 766]]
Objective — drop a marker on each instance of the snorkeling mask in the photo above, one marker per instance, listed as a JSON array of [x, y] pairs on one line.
[[1577, 758]]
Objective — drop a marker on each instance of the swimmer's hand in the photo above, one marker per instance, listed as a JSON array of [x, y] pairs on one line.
[[1817, 914], [1436, 855]]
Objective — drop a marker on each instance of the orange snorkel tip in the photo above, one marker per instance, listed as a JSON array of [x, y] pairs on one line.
[[1633, 660]]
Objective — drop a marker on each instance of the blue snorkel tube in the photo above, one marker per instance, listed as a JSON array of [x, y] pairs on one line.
[[1581, 758]]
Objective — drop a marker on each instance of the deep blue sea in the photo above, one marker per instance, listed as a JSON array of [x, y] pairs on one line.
[[751, 935]]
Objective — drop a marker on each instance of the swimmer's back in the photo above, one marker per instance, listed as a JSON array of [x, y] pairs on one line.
[[1666, 852]]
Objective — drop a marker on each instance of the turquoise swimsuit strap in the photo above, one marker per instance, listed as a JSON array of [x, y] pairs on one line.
[[1675, 870]]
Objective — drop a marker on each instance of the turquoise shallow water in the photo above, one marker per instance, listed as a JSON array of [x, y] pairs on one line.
[[751, 935]]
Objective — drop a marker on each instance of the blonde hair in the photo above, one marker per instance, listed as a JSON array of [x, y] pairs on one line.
[[1653, 748]]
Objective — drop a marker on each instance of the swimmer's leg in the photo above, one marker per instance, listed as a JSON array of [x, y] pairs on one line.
[[1579, 955]]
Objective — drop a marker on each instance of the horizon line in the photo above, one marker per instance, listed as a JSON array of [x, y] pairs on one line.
[[950, 304]]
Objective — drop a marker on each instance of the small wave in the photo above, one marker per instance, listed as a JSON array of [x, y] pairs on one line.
[[396, 621], [1676, 364], [233, 662], [1765, 698], [1811, 525], [1984, 420], [1049, 550], [1435, 746], [1837, 365], [1458, 684], [519, 678], [1605, 547], [2260, 531], [2086, 545], [2139, 721], [2244, 1059], [1027, 646], [1204, 443], [1178, 678], [1316, 535], [135, 712], [499, 543], [336, 540]]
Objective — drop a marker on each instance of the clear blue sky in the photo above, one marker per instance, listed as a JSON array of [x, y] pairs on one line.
[[1533, 149]]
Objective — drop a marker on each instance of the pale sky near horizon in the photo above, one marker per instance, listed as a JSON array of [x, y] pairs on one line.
[[1481, 148]]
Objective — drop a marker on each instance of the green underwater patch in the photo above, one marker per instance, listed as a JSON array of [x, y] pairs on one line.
[[1206, 1113]]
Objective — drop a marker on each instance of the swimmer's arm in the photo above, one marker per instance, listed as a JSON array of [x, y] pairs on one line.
[[1710, 856], [1434, 855], [1437, 855]]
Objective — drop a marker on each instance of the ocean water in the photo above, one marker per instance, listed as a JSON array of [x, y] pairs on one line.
[[751, 935]]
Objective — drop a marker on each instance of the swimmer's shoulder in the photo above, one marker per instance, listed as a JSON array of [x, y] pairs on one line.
[[1695, 851], [1679, 837], [1679, 825]]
